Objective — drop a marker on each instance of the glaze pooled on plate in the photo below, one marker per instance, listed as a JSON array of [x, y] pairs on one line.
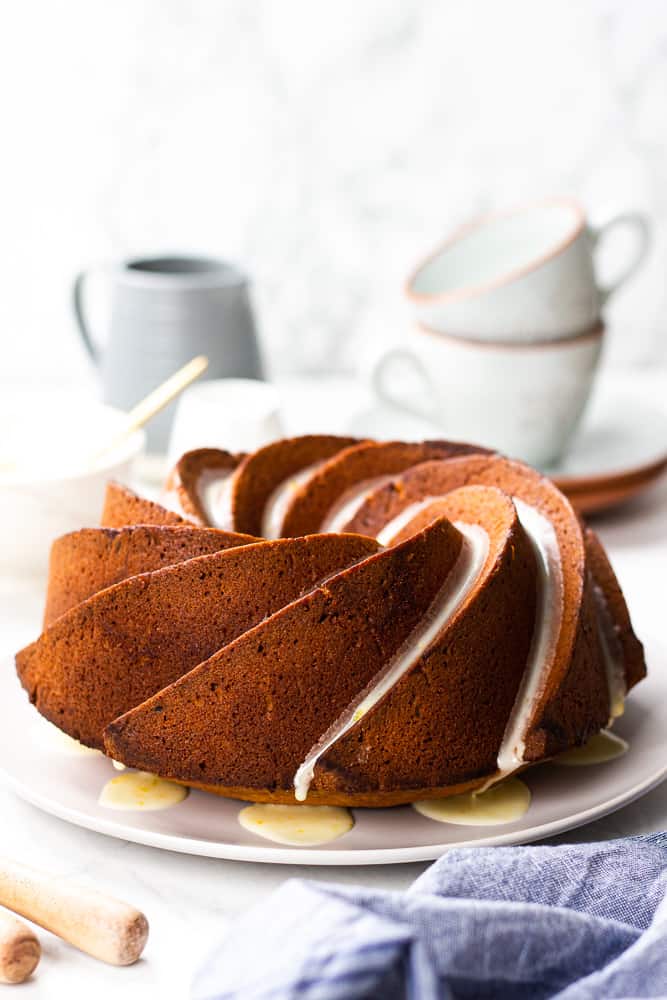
[[139, 790], [502, 803], [601, 748], [300, 826], [56, 741]]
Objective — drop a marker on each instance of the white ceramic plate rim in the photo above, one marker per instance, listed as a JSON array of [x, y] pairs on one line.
[[297, 856], [230, 850]]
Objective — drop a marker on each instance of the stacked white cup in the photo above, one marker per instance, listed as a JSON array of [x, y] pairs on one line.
[[509, 328]]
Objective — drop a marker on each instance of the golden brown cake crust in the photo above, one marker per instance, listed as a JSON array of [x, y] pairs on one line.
[[560, 718], [352, 466], [125, 643], [353, 800], [464, 686], [307, 662], [122, 508], [185, 478], [260, 473], [220, 660], [605, 578], [85, 562]]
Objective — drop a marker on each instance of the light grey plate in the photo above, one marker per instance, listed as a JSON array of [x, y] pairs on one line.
[[624, 429], [563, 797]]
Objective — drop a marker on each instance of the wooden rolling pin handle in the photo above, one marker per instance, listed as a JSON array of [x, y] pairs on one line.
[[100, 925], [19, 950]]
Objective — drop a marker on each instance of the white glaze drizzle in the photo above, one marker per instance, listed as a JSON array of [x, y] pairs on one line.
[[548, 620], [279, 500], [549, 617], [214, 489], [453, 593], [215, 495], [612, 655], [171, 500], [350, 502], [393, 527]]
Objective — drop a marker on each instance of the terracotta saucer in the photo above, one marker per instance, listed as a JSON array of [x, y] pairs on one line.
[[597, 493]]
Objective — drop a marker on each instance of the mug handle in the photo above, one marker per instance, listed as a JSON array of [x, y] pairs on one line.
[[80, 316], [397, 358], [642, 228]]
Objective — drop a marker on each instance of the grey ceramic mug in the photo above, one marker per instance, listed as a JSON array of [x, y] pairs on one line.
[[164, 311]]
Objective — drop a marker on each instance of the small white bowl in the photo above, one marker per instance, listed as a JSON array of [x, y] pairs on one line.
[[47, 486]]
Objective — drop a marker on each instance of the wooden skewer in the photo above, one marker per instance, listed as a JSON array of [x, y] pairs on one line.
[[155, 401], [19, 950], [100, 925]]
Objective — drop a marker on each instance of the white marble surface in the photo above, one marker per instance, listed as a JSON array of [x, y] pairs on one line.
[[190, 901], [325, 146]]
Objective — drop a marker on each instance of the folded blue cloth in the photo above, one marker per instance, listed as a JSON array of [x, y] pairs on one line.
[[576, 922]]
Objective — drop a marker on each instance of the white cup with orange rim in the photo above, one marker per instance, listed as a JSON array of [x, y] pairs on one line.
[[508, 332], [527, 274], [524, 400]]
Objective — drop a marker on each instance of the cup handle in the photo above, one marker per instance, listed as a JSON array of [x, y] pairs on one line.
[[80, 316], [642, 228], [393, 360]]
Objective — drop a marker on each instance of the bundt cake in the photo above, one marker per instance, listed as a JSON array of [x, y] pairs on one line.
[[335, 621]]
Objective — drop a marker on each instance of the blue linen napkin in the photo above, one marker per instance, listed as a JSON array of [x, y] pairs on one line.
[[573, 922]]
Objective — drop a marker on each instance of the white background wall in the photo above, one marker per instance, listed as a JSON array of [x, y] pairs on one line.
[[323, 145]]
